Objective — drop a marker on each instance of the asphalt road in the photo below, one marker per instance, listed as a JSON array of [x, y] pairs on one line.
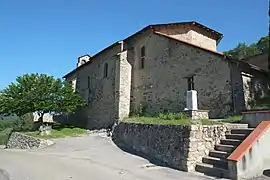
[[83, 158]]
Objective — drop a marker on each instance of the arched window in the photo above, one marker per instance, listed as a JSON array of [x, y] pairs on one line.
[[105, 74]]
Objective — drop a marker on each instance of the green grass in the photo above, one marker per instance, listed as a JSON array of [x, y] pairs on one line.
[[59, 132], [157, 120], [232, 119]]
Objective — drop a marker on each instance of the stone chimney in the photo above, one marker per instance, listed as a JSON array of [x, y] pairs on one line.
[[83, 59]]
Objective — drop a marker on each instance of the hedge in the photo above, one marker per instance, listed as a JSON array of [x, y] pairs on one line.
[[4, 135]]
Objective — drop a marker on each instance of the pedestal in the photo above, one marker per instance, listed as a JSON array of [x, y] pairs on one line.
[[192, 103], [197, 114]]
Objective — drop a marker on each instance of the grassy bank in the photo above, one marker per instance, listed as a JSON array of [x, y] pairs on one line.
[[61, 132], [170, 118]]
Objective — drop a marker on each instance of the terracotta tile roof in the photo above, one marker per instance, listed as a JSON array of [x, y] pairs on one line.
[[152, 28]]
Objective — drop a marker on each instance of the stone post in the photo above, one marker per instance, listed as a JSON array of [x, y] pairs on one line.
[[192, 103]]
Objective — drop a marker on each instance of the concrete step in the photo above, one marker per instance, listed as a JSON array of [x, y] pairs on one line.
[[216, 162], [219, 154], [210, 170], [236, 125], [245, 131], [236, 136], [234, 142], [226, 148]]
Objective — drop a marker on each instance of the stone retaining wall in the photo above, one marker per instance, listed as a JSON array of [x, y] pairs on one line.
[[21, 141], [178, 146]]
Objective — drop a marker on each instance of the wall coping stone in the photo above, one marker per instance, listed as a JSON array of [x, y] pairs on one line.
[[198, 110], [252, 138], [256, 111]]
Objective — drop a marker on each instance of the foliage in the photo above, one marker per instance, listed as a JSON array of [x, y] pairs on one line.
[[172, 116], [4, 135], [60, 131], [24, 123], [242, 50], [8, 122], [139, 111], [167, 118], [39, 93], [155, 120], [232, 119]]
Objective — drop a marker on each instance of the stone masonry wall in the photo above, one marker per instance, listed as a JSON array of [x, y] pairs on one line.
[[21, 141], [98, 91], [191, 34], [256, 86], [162, 84], [180, 147], [123, 85], [203, 138]]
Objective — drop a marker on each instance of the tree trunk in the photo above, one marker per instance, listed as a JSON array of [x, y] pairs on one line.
[[44, 129]]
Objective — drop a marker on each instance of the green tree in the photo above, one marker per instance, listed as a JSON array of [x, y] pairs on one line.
[[39, 93], [242, 51], [263, 44]]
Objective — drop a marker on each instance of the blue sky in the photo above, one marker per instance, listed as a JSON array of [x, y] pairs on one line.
[[47, 36]]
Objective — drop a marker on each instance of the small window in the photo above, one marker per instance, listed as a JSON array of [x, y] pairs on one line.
[[105, 70], [190, 81], [142, 58]]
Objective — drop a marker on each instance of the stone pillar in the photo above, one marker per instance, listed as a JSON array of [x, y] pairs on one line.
[[192, 103], [122, 86]]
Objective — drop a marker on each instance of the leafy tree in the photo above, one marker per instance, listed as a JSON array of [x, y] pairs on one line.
[[39, 93], [263, 44], [242, 50]]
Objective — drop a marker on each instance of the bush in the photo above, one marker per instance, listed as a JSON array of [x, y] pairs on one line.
[[172, 116], [8, 122], [25, 123], [4, 135]]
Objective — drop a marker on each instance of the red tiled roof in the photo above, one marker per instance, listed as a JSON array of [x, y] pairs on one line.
[[152, 27]]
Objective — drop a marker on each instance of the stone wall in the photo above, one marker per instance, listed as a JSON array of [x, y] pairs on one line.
[[21, 141], [162, 84], [122, 85], [191, 34], [180, 147], [256, 87], [97, 90]]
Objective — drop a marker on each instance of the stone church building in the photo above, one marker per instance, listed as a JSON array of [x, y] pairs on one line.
[[152, 70]]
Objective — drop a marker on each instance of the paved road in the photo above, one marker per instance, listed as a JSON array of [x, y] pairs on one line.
[[83, 158]]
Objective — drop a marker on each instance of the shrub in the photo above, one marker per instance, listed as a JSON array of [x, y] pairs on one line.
[[8, 122], [25, 123], [172, 116], [4, 135], [139, 111]]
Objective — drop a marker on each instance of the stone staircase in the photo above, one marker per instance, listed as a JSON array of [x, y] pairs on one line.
[[216, 164]]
